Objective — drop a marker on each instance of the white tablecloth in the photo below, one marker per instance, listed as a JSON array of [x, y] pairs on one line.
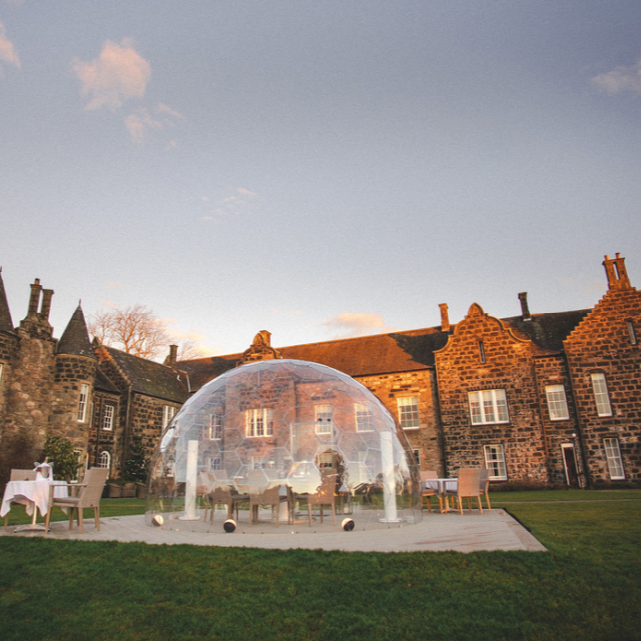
[[31, 493], [442, 485]]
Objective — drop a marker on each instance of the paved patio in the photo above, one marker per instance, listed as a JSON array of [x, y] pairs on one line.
[[470, 532]]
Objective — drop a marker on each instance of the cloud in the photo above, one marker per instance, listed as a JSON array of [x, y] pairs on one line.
[[351, 324], [113, 284], [117, 75], [141, 121], [620, 79], [232, 205], [7, 52]]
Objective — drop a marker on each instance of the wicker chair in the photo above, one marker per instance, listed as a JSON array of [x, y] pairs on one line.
[[428, 493], [90, 493], [19, 475], [484, 486], [270, 497], [325, 495], [468, 486]]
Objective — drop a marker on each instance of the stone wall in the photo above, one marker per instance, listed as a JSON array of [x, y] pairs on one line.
[[483, 355]]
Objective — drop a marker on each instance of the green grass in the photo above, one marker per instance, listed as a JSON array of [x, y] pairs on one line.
[[587, 587]]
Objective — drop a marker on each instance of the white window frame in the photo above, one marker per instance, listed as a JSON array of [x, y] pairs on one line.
[[108, 414], [557, 403], [408, 414], [363, 417], [259, 423], [83, 403], [495, 461], [632, 332], [488, 407], [215, 427], [613, 458], [324, 418], [601, 394], [168, 412], [104, 460], [215, 463], [326, 459], [257, 462]]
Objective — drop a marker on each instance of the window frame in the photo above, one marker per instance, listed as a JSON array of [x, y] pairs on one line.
[[263, 417], [168, 413], [215, 427], [363, 417], [108, 414], [104, 455], [632, 332], [320, 414], [498, 402], [408, 419], [602, 395], [83, 403], [495, 463], [613, 459], [555, 404]]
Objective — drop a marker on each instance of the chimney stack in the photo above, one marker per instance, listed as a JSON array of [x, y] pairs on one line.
[[34, 300], [46, 305], [616, 273], [445, 318], [525, 310], [170, 361]]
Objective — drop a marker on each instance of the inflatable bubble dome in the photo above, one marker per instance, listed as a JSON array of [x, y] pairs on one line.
[[283, 442]]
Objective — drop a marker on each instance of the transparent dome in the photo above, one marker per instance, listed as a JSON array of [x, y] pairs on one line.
[[283, 442]]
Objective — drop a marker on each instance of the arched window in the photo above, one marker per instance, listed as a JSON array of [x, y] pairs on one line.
[[104, 460]]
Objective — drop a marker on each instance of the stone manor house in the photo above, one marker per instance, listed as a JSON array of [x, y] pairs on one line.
[[546, 398]]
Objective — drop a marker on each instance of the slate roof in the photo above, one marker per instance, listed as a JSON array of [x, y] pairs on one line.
[[395, 352], [75, 338], [6, 324], [151, 378], [103, 383]]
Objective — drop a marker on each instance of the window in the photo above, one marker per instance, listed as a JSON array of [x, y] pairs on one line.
[[613, 457], [108, 418], [257, 462], [1, 366], [259, 422], [323, 419], [557, 403], [326, 459], [215, 427], [631, 332], [168, 412], [601, 397], [482, 351], [408, 412], [364, 418], [82, 403], [104, 460], [488, 406], [495, 462], [215, 463], [417, 456]]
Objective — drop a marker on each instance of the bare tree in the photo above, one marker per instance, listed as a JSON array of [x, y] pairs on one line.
[[135, 330]]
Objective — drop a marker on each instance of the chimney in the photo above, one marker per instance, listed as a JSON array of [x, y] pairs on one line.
[[36, 288], [46, 304], [445, 318], [525, 310], [170, 361], [616, 273]]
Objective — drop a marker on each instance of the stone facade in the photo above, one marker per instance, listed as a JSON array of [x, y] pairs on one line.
[[541, 398]]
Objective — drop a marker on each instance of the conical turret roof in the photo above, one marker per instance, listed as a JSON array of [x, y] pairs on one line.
[[6, 324], [75, 338]]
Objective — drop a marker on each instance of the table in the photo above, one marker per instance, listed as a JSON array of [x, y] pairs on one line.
[[442, 486], [32, 494]]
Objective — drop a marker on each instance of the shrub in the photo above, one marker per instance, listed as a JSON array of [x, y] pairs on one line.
[[64, 460]]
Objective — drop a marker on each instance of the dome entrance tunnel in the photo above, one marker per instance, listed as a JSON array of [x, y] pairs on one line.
[[283, 443]]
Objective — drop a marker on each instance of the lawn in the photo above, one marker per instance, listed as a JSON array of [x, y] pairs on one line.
[[587, 587]]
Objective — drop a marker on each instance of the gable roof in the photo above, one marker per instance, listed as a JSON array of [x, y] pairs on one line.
[[394, 352], [151, 378]]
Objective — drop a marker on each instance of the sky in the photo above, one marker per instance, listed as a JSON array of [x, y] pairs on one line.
[[317, 168]]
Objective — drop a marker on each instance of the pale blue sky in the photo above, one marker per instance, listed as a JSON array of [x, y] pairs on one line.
[[248, 165]]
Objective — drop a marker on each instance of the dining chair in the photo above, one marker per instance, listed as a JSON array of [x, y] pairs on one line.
[[324, 495], [428, 493], [19, 475], [484, 486], [268, 497], [89, 496], [467, 487]]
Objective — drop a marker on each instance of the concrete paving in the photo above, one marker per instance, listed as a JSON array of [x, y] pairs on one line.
[[470, 532]]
